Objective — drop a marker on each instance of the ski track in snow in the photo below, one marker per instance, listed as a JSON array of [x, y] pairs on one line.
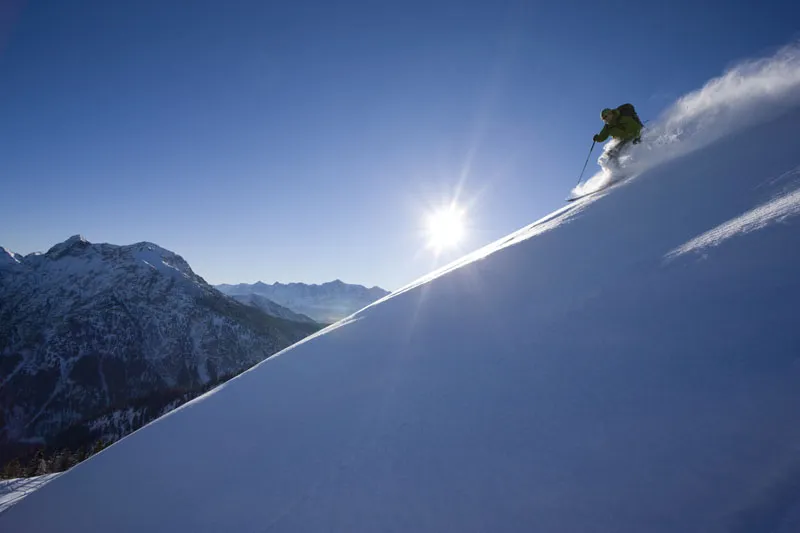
[[772, 212], [13, 490]]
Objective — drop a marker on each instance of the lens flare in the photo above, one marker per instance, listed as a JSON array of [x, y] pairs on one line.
[[445, 227]]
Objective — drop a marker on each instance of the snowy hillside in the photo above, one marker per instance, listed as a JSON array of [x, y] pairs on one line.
[[13, 490], [89, 327], [630, 363], [325, 303]]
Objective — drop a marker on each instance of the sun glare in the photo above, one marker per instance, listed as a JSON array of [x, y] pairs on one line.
[[445, 227]]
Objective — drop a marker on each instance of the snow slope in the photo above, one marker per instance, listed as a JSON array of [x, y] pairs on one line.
[[13, 490], [629, 363]]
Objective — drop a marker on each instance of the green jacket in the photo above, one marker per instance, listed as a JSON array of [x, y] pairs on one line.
[[624, 129]]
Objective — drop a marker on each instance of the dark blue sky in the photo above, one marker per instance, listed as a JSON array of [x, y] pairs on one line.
[[305, 141]]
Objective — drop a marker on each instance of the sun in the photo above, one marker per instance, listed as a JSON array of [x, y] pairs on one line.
[[445, 227]]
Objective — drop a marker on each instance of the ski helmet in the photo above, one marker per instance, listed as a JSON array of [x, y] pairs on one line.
[[607, 114]]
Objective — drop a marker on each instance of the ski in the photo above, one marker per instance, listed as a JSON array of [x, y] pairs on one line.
[[614, 183], [575, 198]]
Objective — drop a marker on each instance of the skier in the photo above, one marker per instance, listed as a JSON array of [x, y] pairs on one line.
[[622, 124]]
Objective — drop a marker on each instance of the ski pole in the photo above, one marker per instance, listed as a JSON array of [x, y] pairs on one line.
[[587, 162]]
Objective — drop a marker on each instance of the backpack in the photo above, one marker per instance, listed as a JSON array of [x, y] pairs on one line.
[[627, 110]]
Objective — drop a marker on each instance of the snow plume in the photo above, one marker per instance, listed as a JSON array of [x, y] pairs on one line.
[[749, 93], [606, 176]]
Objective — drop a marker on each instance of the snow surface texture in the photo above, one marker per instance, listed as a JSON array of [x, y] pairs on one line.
[[578, 375], [13, 490]]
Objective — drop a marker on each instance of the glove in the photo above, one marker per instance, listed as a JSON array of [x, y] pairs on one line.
[[596, 138]]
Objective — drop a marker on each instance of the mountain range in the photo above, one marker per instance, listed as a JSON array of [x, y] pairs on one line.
[[325, 303], [271, 308], [87, 330]]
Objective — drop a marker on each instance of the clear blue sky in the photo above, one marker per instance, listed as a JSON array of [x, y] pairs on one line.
[[304, 141]]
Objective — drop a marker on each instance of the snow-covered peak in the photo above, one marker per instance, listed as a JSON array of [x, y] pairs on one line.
[[159, 258], [9, 258], [74, 244], [118, 322], [77, 256]]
